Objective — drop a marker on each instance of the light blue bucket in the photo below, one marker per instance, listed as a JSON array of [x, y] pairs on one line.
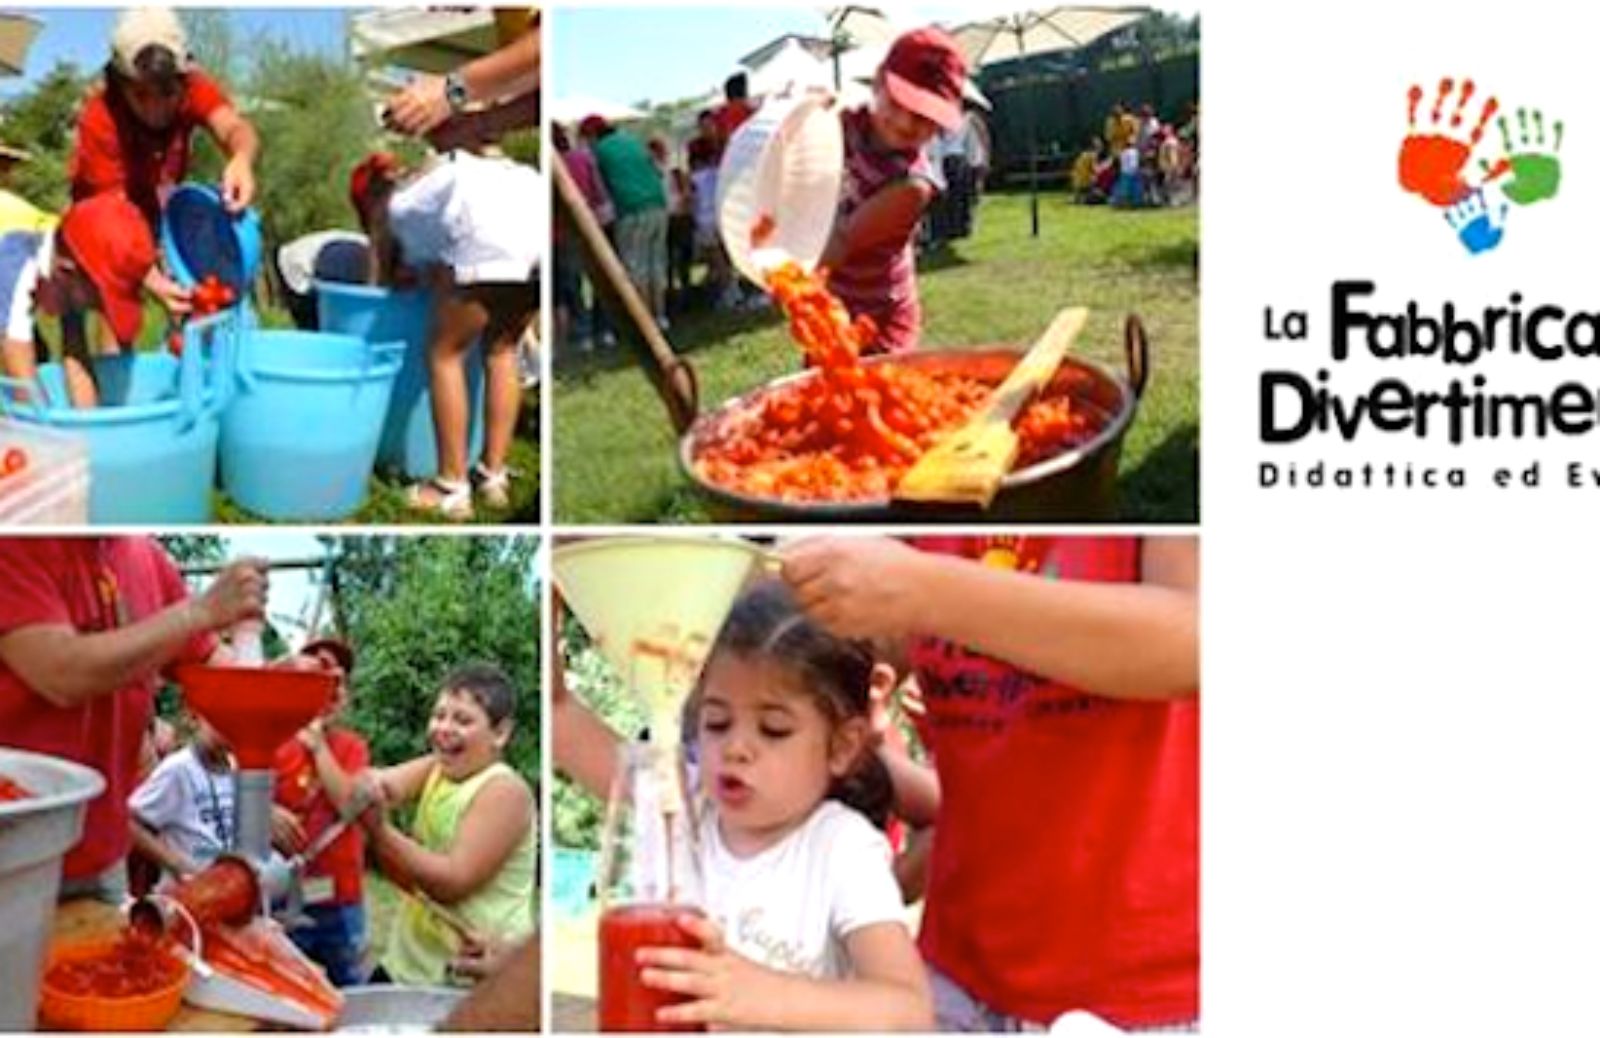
[[300, 435], [153, 439], [389, 315]]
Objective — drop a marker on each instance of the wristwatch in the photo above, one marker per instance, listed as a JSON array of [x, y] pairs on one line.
[[455, 91]]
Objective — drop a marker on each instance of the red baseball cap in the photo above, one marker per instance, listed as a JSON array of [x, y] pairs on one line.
[[592, 126], [110, 241], [380, 164], [925, 72]]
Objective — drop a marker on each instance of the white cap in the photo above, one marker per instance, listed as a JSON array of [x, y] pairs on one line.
[[141, 27]]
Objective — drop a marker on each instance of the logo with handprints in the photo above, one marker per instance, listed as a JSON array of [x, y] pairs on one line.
[[1436, 161]]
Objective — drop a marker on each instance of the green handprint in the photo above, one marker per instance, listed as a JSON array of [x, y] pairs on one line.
[[1535, 171]]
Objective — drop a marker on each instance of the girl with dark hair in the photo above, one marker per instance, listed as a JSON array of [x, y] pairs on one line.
[[804, 928]]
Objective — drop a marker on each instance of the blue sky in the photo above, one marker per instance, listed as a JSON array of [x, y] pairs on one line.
[[631, 54], [83, 35]]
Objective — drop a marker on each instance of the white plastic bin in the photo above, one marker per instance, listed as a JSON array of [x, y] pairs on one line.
[[35, 833], [54, 487], [785, 163]]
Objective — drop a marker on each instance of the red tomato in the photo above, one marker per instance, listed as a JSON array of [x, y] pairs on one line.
[[14, 461]]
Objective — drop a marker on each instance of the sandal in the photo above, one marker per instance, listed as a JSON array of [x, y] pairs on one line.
[[442, 497], [493, 486]]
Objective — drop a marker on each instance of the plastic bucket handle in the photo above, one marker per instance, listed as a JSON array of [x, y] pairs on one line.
[[12, 404]]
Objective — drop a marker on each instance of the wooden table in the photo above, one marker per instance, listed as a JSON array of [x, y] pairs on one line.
[[85, 918]]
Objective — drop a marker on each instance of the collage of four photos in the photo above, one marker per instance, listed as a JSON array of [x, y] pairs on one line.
[[590, 518]]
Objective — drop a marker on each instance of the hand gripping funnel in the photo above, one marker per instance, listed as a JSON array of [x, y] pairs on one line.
[[653, 605], [256, 710]]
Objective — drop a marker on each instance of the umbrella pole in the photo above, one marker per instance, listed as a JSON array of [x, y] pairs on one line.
[[1030, 92]]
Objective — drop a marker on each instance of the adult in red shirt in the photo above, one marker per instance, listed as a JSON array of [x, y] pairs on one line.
[[735, 109], [88, 625], [1060, 677], [135, 130], [315, 785]]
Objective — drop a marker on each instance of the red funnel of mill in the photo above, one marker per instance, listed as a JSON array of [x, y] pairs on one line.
[[256, 710]]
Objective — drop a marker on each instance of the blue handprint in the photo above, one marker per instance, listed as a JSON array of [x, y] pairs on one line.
[[1478, 223]]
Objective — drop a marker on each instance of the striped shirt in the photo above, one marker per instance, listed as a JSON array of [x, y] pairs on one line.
[[881, 281]]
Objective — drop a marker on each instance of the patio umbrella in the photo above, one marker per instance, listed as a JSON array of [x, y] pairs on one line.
[[433, 40], [850, 27], [17, 32], [1028, 33]]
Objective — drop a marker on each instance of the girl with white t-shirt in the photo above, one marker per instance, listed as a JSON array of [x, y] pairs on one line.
[[804, 928]]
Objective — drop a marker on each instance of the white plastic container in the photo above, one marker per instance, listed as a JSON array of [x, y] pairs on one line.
[[54, 488], [35, 834], [785, 163]]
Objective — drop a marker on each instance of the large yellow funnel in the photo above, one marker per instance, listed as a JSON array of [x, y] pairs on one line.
[[653, 605]]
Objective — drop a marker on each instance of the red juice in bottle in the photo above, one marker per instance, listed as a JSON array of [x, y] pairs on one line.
[[625, 1003]]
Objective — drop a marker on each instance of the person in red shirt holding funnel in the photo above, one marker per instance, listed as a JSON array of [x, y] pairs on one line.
[[97, 259], [888, 183], [1060, 677], [134, 133], [87, 627]]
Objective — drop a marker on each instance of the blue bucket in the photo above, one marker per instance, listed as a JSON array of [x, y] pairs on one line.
[[385, 315], [200, 239], [301, 432], [153, 439]]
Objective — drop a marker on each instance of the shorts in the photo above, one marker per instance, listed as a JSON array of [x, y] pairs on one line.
[[510, 307], [642, 244]]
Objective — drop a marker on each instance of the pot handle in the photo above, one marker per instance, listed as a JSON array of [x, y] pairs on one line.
[[1136, 348]]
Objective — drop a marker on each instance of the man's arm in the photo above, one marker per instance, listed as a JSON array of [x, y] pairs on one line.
[[68, 667], [506, 1001]]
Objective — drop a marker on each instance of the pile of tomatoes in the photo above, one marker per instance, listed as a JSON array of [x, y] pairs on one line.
[[11, 790], [135, 965], [210, 296], [850, 432]]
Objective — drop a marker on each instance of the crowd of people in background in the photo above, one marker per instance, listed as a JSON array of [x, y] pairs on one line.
[[655, 198], [1139, 160]]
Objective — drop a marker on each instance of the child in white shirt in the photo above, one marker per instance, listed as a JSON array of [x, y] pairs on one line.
[[474, 225], [804, 928], [183, 811]]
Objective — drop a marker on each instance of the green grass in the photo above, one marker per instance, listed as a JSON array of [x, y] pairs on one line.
[[614, 447], [386, 493]]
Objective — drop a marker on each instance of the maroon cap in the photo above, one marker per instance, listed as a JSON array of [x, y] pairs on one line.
[[338, 648], [924, 72]]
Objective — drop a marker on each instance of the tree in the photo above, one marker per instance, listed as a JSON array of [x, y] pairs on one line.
[[189, 549], [316, 123], [44, 121], [417, 607]]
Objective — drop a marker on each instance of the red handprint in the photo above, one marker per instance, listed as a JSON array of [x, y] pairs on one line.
[[1431, 163]]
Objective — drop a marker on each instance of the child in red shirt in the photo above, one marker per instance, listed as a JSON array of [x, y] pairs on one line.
[[888, 183], [315, 781]]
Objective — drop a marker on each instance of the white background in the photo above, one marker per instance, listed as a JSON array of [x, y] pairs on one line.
[[1401, 725]]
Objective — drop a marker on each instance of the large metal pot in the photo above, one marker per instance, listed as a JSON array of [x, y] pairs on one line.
[[1075, 486], [395, 1008]]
